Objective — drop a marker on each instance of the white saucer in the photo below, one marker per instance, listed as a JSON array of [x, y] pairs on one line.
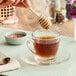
[[62, 56]]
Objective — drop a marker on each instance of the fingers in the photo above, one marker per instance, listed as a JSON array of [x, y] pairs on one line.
[[20, 4], [22, 0], [27, 2], [17, 2], [1, 1], [6, 3]]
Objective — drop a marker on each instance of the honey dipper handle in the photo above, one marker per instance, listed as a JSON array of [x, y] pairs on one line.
[[31, 10]]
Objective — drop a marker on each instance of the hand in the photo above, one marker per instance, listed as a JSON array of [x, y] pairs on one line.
[[19, 4], [4, 3], [1, 1]]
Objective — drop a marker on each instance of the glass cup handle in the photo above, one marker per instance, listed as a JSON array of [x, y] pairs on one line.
[[28, 42]]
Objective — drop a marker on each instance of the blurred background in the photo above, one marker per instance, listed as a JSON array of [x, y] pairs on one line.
[[55, 10]]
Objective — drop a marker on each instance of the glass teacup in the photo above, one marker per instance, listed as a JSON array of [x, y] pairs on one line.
[[45, 44]]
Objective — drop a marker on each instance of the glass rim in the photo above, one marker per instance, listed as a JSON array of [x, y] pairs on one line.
[[55, 37]]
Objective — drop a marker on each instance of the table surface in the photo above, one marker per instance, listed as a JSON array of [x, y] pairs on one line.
[[65, 29], [67, 68]]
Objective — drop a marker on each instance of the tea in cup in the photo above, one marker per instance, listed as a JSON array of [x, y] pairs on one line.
[[45, 44]]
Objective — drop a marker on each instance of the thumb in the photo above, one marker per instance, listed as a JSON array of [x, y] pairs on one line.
[[27, 2], [1, 1], [12, 1]]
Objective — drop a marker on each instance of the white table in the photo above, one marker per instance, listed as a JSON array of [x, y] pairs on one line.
[[67, 68]]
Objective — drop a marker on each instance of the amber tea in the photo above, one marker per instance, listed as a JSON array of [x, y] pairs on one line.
[[46, 46]]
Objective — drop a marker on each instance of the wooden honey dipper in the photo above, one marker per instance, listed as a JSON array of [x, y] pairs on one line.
[[44, 22]]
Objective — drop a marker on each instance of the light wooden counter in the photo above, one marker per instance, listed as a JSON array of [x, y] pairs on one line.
[[28, 21]]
